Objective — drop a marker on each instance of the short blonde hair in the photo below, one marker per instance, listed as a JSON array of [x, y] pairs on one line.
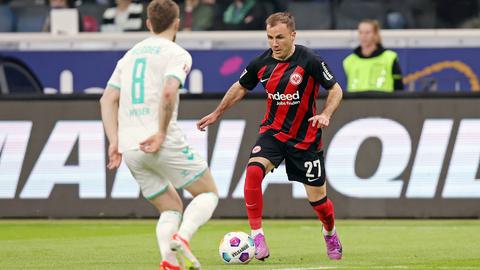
[[281, 17], [162, 13]]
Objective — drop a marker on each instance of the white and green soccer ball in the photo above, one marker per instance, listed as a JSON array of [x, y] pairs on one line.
[[236, 248]]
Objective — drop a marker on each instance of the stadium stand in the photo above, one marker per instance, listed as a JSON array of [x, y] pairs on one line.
[[423, 13], [350, 12], [312, 15], [31, 18], [6, 19]]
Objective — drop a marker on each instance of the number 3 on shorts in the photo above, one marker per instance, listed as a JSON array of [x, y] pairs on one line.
[[309, 165]]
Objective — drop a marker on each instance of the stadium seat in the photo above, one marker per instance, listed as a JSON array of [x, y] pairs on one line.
[[6, 19], [90, 24], [423, 13], [311, 15], [30, 19], [269, 9], [92, 11], [348, 13]]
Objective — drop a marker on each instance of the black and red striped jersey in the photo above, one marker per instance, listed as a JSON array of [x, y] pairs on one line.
[[292, 87]]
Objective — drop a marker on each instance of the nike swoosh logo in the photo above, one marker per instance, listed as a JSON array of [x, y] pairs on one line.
[[249, 205], [311, 180], [264, 80]]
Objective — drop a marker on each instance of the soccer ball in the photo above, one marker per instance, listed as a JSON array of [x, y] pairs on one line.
[[236, 248]]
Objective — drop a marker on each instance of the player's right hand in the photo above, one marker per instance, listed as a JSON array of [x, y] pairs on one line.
[[320, 121], [114, 157], [153, 143], [207, 121]]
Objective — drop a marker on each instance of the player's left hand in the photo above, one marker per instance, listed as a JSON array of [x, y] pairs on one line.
[[153, 143], [320, 121], [207, 121]]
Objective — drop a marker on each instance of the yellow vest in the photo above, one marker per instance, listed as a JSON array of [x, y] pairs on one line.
[[365, 74]]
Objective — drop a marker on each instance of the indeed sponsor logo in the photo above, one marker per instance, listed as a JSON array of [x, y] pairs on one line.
[[285, 99]]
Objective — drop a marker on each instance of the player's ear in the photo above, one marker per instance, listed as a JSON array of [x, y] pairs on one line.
[[176, 24], [294, 34], [149, 25]]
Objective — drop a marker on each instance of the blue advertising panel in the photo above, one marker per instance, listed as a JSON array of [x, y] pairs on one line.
[[424, 69]]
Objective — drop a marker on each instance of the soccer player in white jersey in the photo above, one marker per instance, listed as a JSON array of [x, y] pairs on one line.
[[139, 112]]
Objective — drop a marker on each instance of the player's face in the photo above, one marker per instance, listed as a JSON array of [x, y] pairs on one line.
[[366, 35], [58, 3], [280, 40]]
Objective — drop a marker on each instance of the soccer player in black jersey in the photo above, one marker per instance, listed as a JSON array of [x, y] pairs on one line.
[[291, 129]]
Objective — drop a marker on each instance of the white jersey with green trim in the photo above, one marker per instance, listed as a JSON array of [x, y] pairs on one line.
[[140, 76]]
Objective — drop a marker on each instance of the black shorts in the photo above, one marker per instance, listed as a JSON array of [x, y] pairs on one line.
[[302, 166]]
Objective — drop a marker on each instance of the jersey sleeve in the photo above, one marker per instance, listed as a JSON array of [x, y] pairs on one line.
[[397, 76], [248, 78], [179, 66], [322, 73], [114, 80]]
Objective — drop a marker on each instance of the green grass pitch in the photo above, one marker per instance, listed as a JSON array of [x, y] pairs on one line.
[[294, 244]]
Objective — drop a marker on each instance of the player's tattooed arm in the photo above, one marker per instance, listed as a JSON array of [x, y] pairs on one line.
[[167, 105], [168, 101]]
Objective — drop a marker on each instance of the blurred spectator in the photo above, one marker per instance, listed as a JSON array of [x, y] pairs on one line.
[[100, 2], [396, 20], [452, 13], [277, 5], [471, 23], [54, 4], [370, 66], [90, 24], [92, 14], [244, 15], [198, 15], [7, 18], [125, 16]]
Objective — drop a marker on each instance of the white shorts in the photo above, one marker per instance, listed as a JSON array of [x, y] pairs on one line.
[[179, 166]]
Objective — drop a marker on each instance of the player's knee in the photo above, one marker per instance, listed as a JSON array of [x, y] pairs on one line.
[[173, 206], [255, 175], [208, 197], [319, 202], [253, 167], [205, 184], [317, 196], [210, 185]]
